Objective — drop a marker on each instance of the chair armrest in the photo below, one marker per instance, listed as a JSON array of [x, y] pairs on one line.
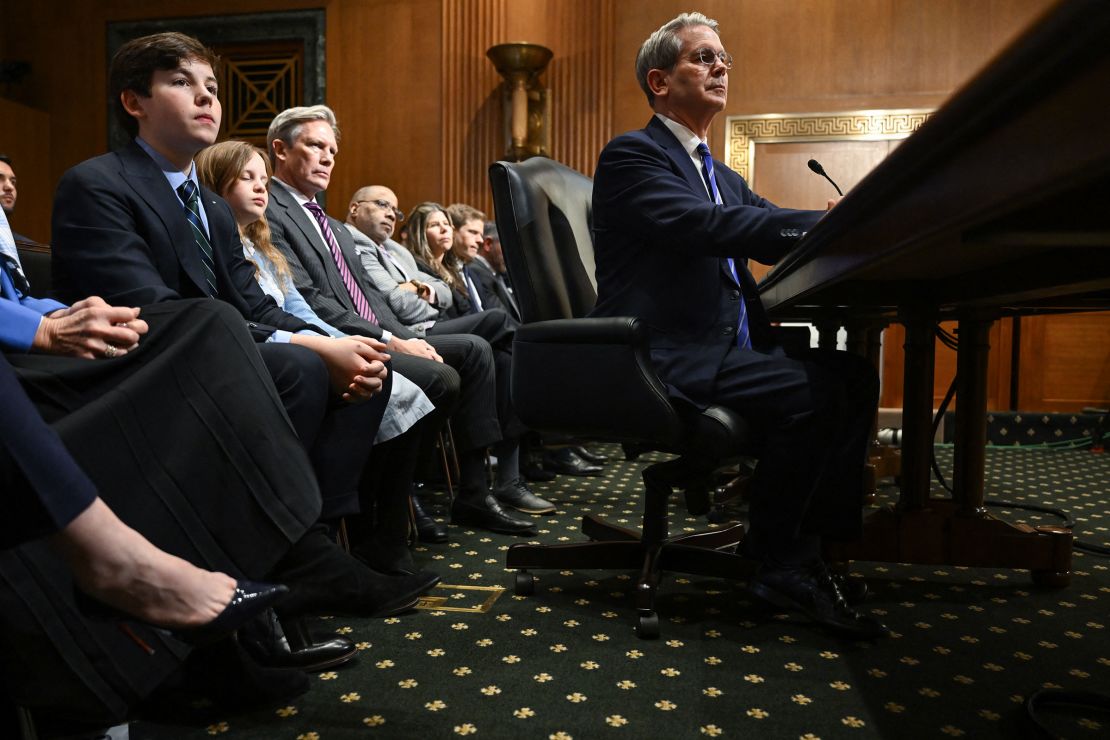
[[601, 330], [591, 378]]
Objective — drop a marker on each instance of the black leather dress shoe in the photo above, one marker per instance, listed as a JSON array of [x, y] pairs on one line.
[[407, 589], [228, 675], [536, 473], [265, 639], [427, 528], [392, 560], [852, 588], [811, 591], [565, 462], [486, 513], [595, 458], [517, 495]]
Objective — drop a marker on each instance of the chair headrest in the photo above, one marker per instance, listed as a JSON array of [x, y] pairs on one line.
[[543, 212]]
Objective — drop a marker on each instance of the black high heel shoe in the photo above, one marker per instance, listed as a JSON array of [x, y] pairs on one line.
[[249, 600]]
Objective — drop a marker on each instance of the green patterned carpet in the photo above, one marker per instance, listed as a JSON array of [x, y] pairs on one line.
[[969, 644]]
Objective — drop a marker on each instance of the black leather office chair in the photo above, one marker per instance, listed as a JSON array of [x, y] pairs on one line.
[[35, 259], [592, 377]]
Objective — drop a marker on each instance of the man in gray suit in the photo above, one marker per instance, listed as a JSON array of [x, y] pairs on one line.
[[371, 218], [415, 296], [456, 371]]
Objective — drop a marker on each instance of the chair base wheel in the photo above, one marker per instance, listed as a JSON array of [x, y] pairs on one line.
[[525, 584], [1051, 579], [647, 625]]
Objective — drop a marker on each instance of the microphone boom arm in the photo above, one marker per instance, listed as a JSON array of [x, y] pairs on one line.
[[816, 167]]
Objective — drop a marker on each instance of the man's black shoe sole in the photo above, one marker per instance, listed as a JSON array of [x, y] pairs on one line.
[[780, 600]]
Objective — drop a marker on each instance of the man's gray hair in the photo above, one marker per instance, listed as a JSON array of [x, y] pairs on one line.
[[287, 125], [490, 231], [661, 49]]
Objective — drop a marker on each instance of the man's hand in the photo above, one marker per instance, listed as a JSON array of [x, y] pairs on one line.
[[421, 290], [356, 370], [377, 345], [416, 347], [90, 329]]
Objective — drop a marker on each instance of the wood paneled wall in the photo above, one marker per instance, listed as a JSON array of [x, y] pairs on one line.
[[419, 106], [25, 137], [417, 98]]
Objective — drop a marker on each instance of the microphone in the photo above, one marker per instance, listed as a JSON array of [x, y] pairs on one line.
[[816, 167]]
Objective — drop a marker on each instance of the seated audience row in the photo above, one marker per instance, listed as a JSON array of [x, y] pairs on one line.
[[275, 393]]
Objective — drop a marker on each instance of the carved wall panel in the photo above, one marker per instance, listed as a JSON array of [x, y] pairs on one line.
[[257, 83]]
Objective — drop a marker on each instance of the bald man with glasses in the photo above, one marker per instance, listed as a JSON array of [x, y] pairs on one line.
[[415, 296]]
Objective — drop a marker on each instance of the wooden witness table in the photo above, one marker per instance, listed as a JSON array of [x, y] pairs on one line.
[[995, 207]]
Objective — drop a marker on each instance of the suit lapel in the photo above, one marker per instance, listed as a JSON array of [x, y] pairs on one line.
[[505, 296], [299, 216], [682, 162], [392, 266], [143, 176], [674, 151]]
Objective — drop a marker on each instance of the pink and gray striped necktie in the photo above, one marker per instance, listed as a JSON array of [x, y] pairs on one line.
[[361, 304]]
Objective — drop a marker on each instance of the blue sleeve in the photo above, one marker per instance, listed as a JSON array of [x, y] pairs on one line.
[[298, 306], [18, 324], [20, 319]]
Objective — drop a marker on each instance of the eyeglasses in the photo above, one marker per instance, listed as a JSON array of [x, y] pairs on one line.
[[398, 214], [708, 57]]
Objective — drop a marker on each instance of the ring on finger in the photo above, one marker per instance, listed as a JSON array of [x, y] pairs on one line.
[[110, 351]]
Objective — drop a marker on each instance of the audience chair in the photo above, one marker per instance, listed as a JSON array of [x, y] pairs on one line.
[[593, 378], [35, 259]]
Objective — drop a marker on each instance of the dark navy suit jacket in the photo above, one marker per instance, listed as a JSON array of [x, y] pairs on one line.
[[119, 232], [661, 246], [491, 289]]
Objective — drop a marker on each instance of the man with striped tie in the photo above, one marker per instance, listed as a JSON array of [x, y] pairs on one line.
[[673, 229], [456, 370]]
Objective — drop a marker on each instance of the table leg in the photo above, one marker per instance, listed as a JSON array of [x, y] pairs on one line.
[[917, 411], [969, 450], [887, 459], [959, 531]]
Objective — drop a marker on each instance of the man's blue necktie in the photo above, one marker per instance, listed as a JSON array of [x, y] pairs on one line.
[[188, 192], [743, 336], [472, 291]]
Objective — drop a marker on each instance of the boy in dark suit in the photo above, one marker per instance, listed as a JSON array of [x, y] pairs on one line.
[[135, 227]]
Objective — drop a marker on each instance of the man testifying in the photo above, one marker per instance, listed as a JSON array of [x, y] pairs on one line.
[[673, 229]]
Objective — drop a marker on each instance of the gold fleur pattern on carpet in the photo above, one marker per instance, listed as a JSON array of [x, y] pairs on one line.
[[970, 644]]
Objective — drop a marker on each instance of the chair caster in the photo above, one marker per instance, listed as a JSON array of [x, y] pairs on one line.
[[525, 584], [1051, 579], [647, 625]]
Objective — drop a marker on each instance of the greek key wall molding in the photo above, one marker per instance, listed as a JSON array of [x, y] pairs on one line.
[[742, 133]]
